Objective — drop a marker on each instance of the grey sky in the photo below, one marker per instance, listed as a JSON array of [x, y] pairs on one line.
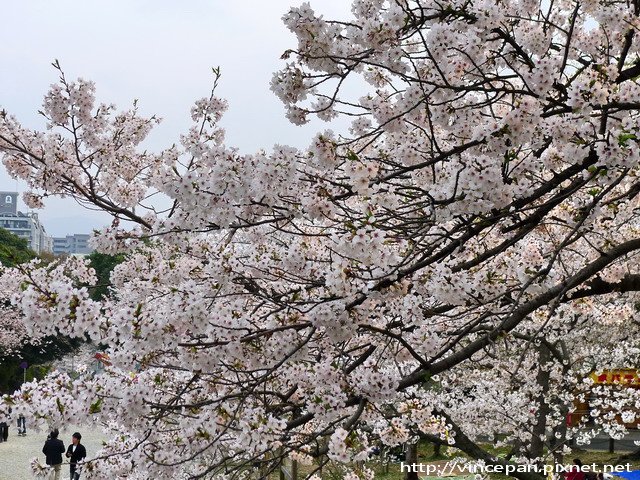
[[160, 52]]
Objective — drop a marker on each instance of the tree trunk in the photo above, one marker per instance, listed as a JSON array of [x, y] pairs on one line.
[[538, 435], [437, 449], [472, 449], [411, 458], [560, 432]]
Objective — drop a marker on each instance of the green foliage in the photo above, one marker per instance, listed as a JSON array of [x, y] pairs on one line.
[[623, 138], [103, 265], [37, 357], [11, 375], [13, 249], [96, 406]]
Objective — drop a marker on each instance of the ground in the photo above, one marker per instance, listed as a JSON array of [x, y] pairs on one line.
[[596, 454], [16, 455], [17, 452]]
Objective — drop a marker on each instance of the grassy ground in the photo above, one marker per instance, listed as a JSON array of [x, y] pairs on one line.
[[391, 471], [383, 470]]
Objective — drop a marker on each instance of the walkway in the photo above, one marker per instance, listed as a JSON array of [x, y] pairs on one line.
[[17, 452]]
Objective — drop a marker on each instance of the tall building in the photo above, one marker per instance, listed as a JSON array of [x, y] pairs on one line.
[[77, 244], [9, 202], [24, 225]]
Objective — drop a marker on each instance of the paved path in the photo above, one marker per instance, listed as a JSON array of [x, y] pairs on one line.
[[17, 452]]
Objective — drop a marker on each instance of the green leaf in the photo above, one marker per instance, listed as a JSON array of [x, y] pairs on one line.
[[623, 138], [60, 406], [96, 406]]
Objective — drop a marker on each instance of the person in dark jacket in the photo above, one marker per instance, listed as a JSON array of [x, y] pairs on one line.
[[22, 425], [75, 453], [53, 450], [4, 431], [4, 428]]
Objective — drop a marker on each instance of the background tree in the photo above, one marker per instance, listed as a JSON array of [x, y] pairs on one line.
[[13, 333], [103, 265], [13, 249], [16, 345]]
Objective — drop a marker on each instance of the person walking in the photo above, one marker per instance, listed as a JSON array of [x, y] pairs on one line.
[[4, 431], [75, 453], [53, 450], [22, 425], [4, 427]]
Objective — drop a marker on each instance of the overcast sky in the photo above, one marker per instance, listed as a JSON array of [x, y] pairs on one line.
[[159, 52]]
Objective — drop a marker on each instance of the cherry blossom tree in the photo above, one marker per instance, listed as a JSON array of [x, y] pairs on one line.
[[13, 332], [17, 344], [454, 264]]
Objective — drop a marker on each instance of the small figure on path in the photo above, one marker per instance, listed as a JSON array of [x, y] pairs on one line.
[[22, 425], [53, 450], [4, 427], [76, 453], [4, 431]]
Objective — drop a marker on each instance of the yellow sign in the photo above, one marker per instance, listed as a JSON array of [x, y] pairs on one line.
[[620, 376]]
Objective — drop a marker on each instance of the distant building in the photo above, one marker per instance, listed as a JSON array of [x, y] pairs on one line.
[[9, 202], [77, 244], [24, 225]]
